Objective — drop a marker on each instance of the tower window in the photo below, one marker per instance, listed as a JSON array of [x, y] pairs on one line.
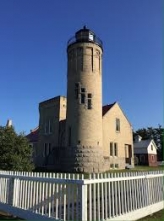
[[82, 90], [89, 104], [83, 98], [89, 101], [82, 95]]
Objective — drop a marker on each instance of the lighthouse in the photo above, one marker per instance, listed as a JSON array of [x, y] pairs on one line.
[[83, 141]]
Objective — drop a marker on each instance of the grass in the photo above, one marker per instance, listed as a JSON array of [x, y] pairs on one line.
[[137, 169], [6, 216], [159, 216]]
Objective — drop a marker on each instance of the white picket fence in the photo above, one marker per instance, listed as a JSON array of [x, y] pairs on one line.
[[112, 196]]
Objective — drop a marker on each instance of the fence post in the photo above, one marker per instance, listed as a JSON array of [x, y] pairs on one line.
[[83, 202], [11, 191]]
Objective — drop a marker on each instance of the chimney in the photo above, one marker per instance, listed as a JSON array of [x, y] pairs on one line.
[[138, 138], [9, 123]]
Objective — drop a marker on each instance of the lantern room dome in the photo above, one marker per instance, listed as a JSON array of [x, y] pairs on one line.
[[85, 35]]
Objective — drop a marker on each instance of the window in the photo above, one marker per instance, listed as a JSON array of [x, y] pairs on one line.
[[111, 165], [82, 95], [82, 90], [152, 158], [49, 127], [46, 128], [82, 98], [89, 104], [117, 124], [115, 149], [151, 147], [69, 136], [47, 149], [111, 149], [116, 166]]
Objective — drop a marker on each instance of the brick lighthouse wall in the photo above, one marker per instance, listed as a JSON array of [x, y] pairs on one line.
[[84, 152]]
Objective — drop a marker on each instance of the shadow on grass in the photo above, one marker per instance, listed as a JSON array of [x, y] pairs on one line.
[[5, 216]]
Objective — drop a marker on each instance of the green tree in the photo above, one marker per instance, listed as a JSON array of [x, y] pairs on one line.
[[157, 134], [15, 153]]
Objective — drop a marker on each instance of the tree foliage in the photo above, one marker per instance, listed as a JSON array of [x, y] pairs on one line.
[[157, 134], [15, 153]]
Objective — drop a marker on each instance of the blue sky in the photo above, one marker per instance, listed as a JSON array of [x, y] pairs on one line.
[[33, 39]]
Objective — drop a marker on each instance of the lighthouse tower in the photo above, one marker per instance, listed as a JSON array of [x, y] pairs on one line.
[[83, 141]]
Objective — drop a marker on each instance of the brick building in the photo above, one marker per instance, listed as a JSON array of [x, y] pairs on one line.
[[76, 133]]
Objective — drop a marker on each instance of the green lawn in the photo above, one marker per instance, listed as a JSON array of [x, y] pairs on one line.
[[5, 216], [159, 216], [138, 169]]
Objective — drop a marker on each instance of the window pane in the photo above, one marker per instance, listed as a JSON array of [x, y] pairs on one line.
[[89, 104], [111, 149], [82, 90], [82, 98], [115, 149], [117, 124]]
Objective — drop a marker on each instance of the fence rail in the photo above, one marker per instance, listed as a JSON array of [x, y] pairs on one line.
[[112, 196]]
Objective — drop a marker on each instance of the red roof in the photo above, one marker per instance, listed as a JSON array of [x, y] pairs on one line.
[[106, 108], [33, 136]]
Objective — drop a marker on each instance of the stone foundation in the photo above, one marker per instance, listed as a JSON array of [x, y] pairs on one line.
[[82, 159]]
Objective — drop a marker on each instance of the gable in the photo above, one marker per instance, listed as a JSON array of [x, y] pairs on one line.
[[109, 109], [145, 146], [152, 148]]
